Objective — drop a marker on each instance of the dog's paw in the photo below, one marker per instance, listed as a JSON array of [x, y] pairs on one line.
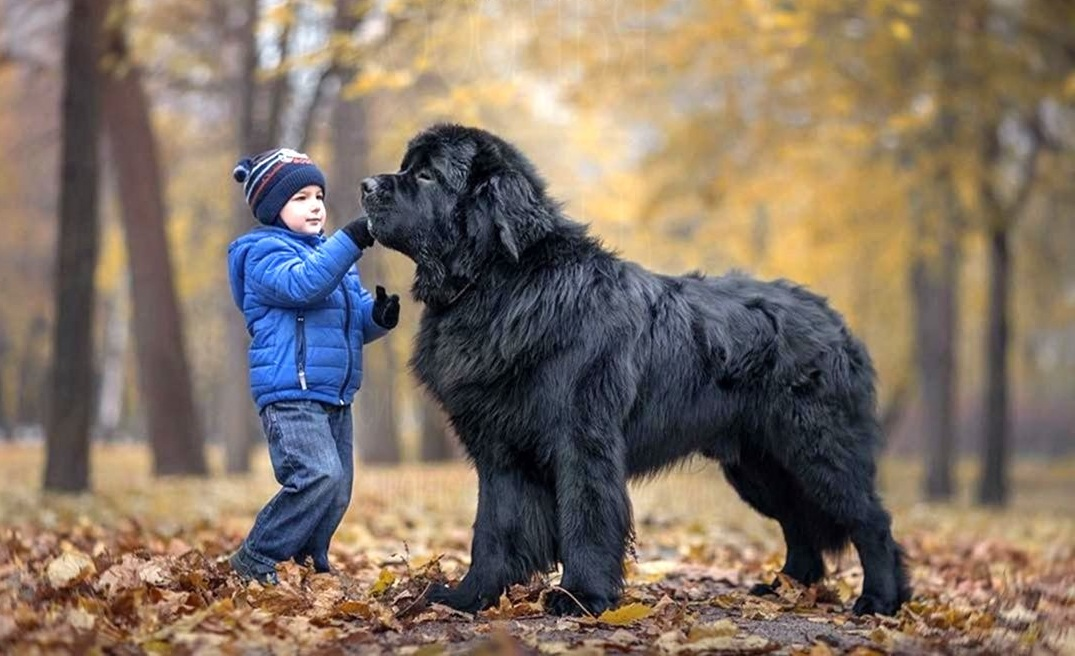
[[455, 598], [559, 602], [765, 589], [870, 604]]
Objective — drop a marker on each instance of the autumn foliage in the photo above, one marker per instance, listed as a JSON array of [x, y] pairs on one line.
[[140, 568]]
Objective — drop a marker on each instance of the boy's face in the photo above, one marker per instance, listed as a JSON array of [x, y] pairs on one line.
[[305, 211]]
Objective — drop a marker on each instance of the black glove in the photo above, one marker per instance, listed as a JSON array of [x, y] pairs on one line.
[[385, 309], [359, 232]]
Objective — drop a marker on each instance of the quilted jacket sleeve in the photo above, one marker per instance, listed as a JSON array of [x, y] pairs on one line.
[[280, 277]]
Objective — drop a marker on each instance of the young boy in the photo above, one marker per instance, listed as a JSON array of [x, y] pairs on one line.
[[308, 316]]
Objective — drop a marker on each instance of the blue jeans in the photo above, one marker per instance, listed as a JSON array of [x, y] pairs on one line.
[[312, 453]]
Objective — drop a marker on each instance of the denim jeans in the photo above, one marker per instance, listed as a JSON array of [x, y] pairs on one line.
[[312, 453]]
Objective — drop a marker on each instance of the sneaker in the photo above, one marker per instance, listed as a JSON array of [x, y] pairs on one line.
[[247, 573]]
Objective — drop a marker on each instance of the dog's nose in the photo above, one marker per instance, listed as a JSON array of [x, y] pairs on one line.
[[369, 185]]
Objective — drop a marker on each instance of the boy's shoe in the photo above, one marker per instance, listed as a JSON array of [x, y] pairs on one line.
[[247, 572], [318, 568]]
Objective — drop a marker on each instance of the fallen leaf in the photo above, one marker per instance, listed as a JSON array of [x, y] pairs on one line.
[[80, 619], [718, 629], [746, 644], [69, 568], [7, 627], [152, 574], [384, 581], [622, 638], [352, 608], [626, 614]]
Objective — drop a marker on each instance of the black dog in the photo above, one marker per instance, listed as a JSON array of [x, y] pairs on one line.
[[566, 370]]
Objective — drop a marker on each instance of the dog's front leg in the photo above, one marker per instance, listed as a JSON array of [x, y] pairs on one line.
[[514, 538], [594, 514]]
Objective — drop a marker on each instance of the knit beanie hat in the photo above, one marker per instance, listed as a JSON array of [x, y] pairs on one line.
[[271, 178]]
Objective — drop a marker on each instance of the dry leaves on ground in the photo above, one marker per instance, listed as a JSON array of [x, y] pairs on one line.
[[139, 567]]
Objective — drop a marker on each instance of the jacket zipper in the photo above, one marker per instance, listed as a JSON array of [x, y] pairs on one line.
[[300, 355], [346, 336]]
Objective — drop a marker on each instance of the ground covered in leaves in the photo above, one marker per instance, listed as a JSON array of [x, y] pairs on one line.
[[138, 567]]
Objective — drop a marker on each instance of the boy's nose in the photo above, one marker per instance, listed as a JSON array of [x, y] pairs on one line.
[[369, 185]]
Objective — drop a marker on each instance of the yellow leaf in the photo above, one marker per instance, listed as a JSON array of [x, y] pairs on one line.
[[844, 590], [157, 647], [384, 581], [626, 614]]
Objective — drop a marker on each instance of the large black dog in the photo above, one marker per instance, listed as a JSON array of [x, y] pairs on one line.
[[566, 370]]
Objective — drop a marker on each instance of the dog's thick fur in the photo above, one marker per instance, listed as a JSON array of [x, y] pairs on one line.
[[566, 370]]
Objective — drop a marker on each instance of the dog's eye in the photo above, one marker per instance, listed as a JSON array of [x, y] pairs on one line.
[[425, 176]]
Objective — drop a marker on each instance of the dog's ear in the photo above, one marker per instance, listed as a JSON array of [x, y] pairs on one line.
[[519, 212]]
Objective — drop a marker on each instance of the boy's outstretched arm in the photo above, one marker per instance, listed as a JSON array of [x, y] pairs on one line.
[[280, 278]]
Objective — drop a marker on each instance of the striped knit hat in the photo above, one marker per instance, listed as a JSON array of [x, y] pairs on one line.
[[271, 178]]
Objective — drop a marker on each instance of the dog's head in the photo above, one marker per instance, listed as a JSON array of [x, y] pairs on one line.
[[462, 199]]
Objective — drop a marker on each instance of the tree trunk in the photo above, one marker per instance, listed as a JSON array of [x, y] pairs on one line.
[[935, 279], [70, 400], [1001, 220], [994, 481], [377, 438], [934, 286], [239, 423], [933, 294], [164, 375], [375, 414], [113, 365]]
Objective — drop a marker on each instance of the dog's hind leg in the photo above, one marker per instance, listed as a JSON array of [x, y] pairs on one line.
[[841, 482], [770, 490]]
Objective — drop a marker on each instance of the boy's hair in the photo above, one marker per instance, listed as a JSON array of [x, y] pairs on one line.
[[271, 178]]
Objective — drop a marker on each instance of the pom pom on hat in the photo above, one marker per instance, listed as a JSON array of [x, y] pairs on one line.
[[242, 169]]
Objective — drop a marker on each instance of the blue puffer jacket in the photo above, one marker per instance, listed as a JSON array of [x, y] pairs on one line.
[[306, 312]]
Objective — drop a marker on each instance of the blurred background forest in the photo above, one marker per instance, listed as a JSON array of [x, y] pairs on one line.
[[910, 160]]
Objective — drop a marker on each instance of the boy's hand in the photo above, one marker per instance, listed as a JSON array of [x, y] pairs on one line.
[[385, 309], [359, 232]]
